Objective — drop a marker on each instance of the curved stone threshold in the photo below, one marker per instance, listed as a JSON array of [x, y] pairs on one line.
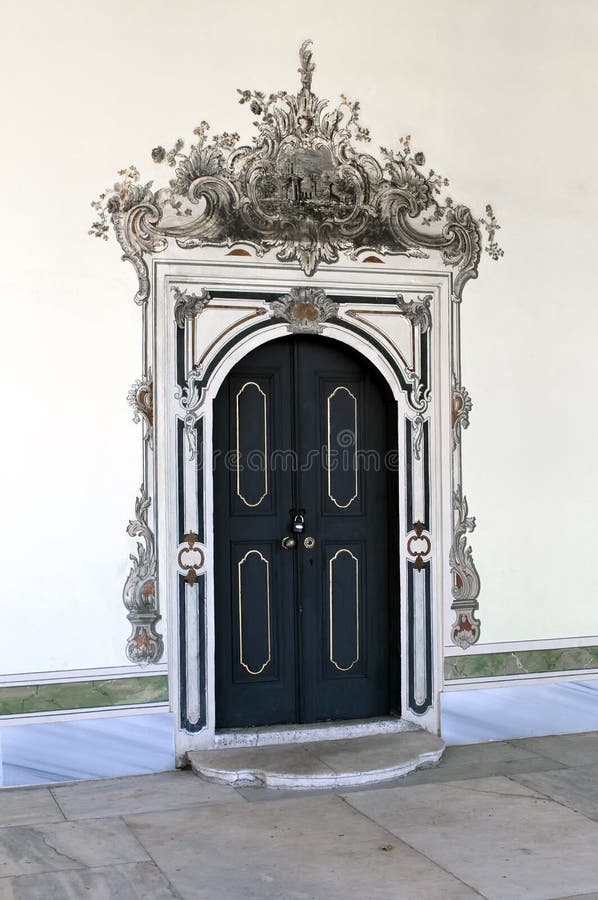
[[266, 735], [338, 763]]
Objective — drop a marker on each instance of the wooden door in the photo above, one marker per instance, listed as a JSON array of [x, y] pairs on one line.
[[302, 431]]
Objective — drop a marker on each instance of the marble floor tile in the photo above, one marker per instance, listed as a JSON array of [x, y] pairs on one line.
[[28, 806], [145, 793], [593, 896], [137, 881], [301, 849], [25, 850], [494, 834], [568, 749], [576, 788]]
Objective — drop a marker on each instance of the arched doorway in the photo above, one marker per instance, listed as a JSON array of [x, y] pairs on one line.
[[305, 522]]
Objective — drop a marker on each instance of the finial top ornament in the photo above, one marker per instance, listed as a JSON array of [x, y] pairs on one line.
[[307, 66], [301, 188]]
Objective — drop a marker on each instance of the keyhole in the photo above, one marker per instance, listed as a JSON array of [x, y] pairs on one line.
[[311, 562]]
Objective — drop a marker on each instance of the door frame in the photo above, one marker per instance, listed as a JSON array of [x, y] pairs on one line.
[[180, 491]]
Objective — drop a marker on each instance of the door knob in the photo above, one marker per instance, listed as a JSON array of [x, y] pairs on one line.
[[288, 542]]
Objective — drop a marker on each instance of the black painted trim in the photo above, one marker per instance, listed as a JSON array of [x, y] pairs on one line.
[[180, 457], [417, 708], [181, 374], [426, 462], [409, 472], [192, 727], [200, 462]]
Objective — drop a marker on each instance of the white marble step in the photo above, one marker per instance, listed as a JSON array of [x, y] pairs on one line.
[[265, 735], [343, 762]]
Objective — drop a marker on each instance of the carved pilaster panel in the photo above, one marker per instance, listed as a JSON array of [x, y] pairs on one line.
[[144, 645], [466, 581]]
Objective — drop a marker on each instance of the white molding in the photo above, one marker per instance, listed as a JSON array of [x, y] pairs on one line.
[[64, 676], [94, 712], [519, 646]]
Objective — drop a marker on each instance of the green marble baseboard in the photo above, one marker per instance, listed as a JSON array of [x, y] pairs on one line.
[[522, 662], [74, 695]]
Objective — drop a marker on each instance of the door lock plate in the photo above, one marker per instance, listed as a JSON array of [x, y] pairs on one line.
[[309, 542]]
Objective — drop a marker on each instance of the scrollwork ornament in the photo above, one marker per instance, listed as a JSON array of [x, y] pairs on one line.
[[144, 644], [141, 399], [304, 310], [417, 311], [466, 581], [417, 436], [461, 407], [187, 306], [301, 188], [190, 397]]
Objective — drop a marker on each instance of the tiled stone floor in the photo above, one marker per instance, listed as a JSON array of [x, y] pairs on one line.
[[510, 819]]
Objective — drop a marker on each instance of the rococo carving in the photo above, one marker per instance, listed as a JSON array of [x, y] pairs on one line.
[[301, 188], [144, 645], [304, 309], [461, 407], [141, 399], [417, 311], [187, 306], [466, 584]]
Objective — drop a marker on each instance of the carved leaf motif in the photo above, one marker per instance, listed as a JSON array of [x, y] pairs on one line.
[[301, 188], [139, 593]]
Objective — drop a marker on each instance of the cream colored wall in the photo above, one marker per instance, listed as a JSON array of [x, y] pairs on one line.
[[500, 96]]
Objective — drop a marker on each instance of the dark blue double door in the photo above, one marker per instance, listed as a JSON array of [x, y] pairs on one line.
[[303, 437]]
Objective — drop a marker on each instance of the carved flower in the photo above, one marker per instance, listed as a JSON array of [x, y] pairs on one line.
[[420, 159], [305, 309], [256, 108], [158, 154], [113, 205], [406, 177]]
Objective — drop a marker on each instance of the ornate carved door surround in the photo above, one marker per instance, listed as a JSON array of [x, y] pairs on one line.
[[299, 232]]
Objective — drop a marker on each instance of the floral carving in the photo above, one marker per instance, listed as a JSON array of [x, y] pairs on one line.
[[141, 398], [187, 306], [301, 188], [466, 581], [461, 407], [417, 311], [305, 310], [144, 645]]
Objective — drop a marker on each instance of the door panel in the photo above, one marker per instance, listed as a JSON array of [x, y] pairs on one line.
[[344, 595], [254, 578], [302, 634]]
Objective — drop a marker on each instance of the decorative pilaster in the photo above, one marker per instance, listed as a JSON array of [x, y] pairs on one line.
[[466, 581], [144, 645]]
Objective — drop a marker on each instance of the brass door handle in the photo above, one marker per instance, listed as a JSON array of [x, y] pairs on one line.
[[289, 542]]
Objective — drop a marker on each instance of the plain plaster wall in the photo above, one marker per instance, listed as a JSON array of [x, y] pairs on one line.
[[501, 99]]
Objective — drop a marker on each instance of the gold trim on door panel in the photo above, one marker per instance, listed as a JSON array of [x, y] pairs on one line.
[[264, 400], [240, 565], [329, 436], [331, 610]]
